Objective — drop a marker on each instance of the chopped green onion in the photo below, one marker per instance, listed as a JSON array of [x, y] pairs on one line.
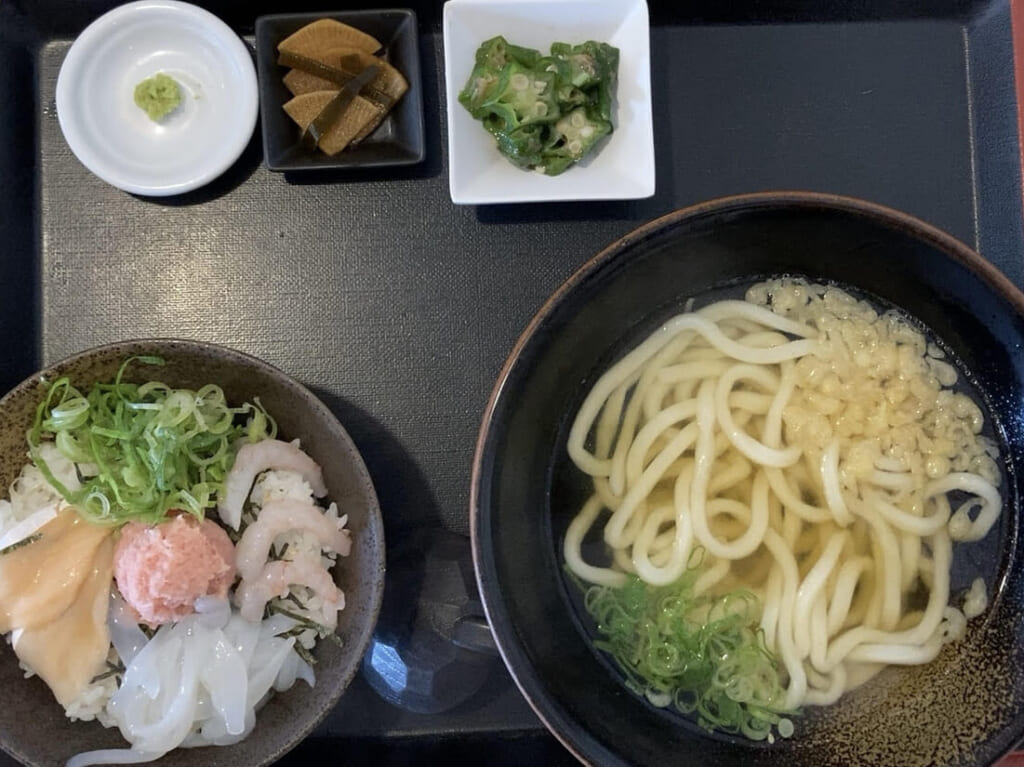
[[704, 655], [142, 450]]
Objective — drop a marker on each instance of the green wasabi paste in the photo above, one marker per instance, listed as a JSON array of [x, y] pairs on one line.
[[158, 96]]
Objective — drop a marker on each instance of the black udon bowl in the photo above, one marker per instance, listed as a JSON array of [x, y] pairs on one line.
[[963, 708], [33, 728]]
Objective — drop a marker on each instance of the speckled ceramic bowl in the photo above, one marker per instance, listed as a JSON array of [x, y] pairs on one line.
[[967, 706], [33, 728]]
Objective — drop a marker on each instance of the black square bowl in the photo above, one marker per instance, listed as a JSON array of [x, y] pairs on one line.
[[397, 141]]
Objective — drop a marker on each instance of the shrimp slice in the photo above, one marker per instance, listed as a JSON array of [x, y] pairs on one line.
[[255, 458], [278, 517], [252, 596]]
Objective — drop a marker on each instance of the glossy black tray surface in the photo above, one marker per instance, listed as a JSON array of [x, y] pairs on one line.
[[398, 308]]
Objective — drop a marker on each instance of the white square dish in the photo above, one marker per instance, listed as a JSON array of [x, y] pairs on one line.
[[623, 166]]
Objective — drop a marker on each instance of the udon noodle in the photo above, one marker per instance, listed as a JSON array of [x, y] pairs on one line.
[[817, 455]]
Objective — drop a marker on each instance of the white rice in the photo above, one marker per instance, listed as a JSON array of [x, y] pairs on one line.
[[30, 492], [92, 703]]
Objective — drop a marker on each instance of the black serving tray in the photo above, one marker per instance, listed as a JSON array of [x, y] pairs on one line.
[[398, 308]]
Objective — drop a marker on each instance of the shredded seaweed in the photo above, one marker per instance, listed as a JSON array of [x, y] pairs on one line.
[[706, 656], [113, 669], [248, 517], [301, 619], [148, 448], [294, 631], [305, 623], [305, 654], [23, 542], [278, 554]]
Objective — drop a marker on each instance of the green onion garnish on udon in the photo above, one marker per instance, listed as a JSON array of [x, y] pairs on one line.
[[703, 655], [142, 450]]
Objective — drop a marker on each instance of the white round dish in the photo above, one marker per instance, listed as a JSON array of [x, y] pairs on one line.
[[117, 140]]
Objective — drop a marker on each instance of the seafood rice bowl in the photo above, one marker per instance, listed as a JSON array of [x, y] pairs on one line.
[[168, 562]]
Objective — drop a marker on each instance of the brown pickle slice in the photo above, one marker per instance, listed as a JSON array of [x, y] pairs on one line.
[[324, 34], [322, 71], [370, 126], [336, 107], [298, 82], [390, 81], [304, 109]]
